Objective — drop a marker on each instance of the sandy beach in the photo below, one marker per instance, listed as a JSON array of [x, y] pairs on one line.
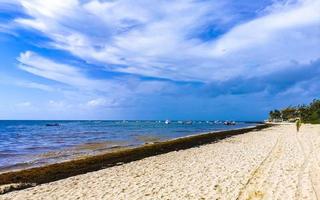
[[273, 163]]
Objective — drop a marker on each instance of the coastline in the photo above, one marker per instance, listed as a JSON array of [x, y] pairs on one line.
[[274, 163], [29, 144], [53, 172]]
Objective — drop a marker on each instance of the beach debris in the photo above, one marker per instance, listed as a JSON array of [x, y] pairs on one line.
[[119, 163], [15, 186]]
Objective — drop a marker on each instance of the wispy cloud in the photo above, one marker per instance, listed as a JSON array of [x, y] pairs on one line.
[[24, 104], [258, 32], [73, 76], [137, 38], [102, 102], [125, 36], [190, 50], [108, 92], [63, 73], [11, 80], [34, 85]]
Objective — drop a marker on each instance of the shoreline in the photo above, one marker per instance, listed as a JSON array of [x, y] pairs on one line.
[[53, 172], [94, 148], [30, 144], [274, 163]]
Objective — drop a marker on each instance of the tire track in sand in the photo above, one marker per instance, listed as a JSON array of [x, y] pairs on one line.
[[305, 173], [315, 171], [298, 194], [253, 187]]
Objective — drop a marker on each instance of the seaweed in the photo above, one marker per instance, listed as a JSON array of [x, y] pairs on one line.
[[53, 172]]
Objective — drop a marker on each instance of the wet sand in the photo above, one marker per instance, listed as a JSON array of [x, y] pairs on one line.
[[67, 154], [57, 171], [273, 163]]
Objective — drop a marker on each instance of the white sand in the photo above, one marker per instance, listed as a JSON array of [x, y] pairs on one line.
[[275, 163]]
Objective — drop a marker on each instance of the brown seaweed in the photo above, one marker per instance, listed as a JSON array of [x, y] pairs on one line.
[[53, 172]]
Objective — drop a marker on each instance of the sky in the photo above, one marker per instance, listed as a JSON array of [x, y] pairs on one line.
[[157, 59]]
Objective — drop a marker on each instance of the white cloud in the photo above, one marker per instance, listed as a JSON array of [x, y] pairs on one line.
[[143, 39], [12, 80], [139, 38], [160, 41], [56, 103], [274, 42], [63, 73], [73, 76], [261, 30], [24, 104], [101, 102], [34, 85], [97, 102], [81, 91]]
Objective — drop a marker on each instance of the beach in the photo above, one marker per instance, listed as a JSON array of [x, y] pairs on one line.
[[272, 163], [33, 143]]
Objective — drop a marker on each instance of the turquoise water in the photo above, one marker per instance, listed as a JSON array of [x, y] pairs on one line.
[[32, 143]]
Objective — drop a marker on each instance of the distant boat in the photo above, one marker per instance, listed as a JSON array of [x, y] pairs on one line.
[[55, 124], [188, 122], [228, 123], [167, 121]]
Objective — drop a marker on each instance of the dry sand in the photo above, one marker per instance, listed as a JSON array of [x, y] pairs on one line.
[[274, 163]]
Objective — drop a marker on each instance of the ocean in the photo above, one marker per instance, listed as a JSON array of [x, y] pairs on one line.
[[25, 144]]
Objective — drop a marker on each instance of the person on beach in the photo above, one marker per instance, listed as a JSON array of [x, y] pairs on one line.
[[298, 124]]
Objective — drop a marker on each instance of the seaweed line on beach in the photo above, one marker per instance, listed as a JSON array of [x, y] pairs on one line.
[[67, 169]]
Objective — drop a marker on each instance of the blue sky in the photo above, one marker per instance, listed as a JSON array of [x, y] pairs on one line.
[[151, 59]]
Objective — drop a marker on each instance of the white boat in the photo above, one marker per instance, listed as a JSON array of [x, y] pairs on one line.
[[229, 123], [167, 121]]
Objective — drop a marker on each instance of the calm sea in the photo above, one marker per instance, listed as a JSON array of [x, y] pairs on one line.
[[26, 144]]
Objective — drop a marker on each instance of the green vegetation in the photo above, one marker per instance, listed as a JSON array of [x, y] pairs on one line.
[[307, 113]]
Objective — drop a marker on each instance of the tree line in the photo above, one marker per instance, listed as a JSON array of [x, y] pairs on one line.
[[307, 113]]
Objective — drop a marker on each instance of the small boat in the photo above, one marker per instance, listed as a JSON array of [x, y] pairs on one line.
[[167, 121], [55, 124], [228, 123], [188, 122]]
